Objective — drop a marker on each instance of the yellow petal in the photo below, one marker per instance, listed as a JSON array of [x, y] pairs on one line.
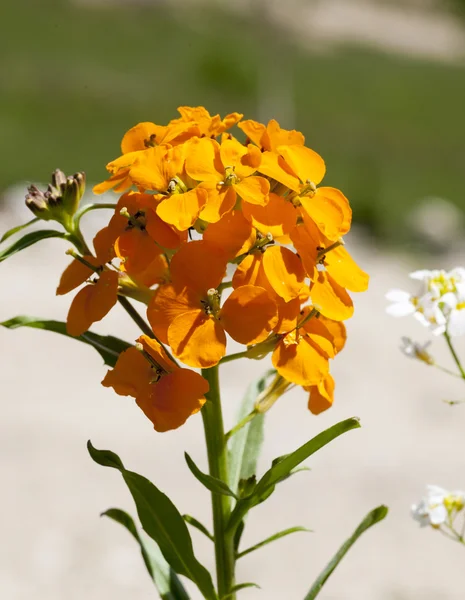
[[254, 190], [331, 299], [182, 210], [305, 163]]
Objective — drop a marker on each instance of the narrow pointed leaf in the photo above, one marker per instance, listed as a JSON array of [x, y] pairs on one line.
[[28, 240], [14, 230], [272, 538], [283, 468], [371, 519], [107, 346], [211, 483], [163, 522], [198, 525], [238, 588], [166, 581], [247, 442]]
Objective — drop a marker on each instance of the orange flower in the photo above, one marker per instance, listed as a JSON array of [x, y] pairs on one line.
[[226, 171], [134, 143], [321, 395], [209, 126], [330, 268], [161, 169], [167, 394], [97, 298], [187, 313]]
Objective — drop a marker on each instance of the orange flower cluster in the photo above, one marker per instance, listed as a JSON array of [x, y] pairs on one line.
[[201, 212]]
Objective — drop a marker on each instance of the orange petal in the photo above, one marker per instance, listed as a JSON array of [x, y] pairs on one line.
[[174, 399], [233, 234], [198, 340], [330, 210], [254, 190], [337, 330], [284, 271], [236, 156], [157, 352], [104, 244], [75, 274], [131, 374], [141, 137], [154, 168], [156, 272], [275, 166], [253, 130], [248, 271], [137, 250], [288, 313], [78, 320], [300, 362], [220, 200], [321, 396], [305, 163], [249, 314], [182, 210], [282, 137], [203, 162], [168, 303], [278, 217], [342, 267], [306, 247], [331, 299], [165, 235], [198, 265]]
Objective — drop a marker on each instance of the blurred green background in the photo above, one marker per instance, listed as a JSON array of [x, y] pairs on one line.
[[75, 76]]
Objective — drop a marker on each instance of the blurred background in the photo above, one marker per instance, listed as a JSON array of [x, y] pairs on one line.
[[378, 88]]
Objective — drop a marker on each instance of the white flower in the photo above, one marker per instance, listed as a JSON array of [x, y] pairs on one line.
[[440, 303], [438, 504]]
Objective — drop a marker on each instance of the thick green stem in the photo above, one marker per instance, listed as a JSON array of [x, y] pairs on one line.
[[218, 467], [454, 355]]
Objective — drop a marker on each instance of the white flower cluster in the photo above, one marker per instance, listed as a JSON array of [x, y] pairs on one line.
[[438, 507], [440, 305]]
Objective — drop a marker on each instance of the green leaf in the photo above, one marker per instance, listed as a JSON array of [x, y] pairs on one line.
[[282, 468], [272, 538], [247, 442], [28, 240], [198, 525], [211, 483], [162, 522], [166, 581], [238, 588], [14, 230], [371, 519], [107, 346]]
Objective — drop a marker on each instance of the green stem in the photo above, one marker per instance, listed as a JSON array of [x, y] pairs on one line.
[[88, 207], [235, 356], [242, 423], [218, 467], [454, 355]]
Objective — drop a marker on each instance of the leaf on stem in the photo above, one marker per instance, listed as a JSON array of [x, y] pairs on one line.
[[198, 525], [284, 466], [247, 442], [166, 581], [238, 588], [371, 519], [28, 240], [162, 522], [14, 230], [108, 346], [272, 538], [211, 483]]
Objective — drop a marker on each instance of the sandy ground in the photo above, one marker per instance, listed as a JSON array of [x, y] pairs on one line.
[[54, 545]]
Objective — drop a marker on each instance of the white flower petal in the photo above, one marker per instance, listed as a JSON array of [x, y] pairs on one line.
[[456, 325], [438, 514]]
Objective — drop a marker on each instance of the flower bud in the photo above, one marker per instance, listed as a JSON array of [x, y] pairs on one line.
[[60, 200]]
